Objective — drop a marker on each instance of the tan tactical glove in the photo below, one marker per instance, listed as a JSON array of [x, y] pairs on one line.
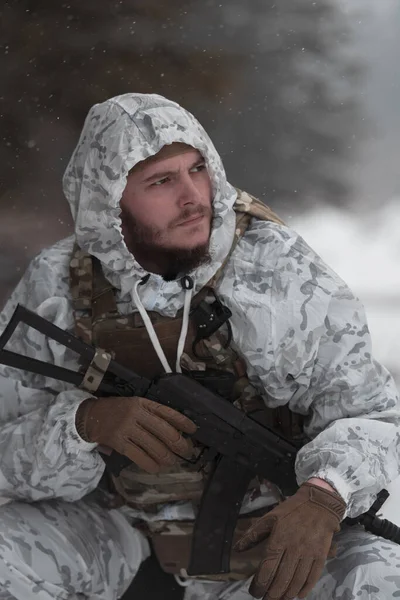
[[147, 432], [299, 532]]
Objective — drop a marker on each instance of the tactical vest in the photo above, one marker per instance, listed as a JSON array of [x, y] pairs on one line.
[[125, 337]]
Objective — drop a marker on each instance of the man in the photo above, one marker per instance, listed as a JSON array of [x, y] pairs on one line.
[[154, 221]]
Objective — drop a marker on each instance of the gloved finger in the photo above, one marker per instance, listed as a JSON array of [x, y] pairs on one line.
[[283, 576], [332, 550], [152, 446], [173, 417], [168, 434], [299, 578], [141, 458], [313, 577], [258, 532], [265, 573]]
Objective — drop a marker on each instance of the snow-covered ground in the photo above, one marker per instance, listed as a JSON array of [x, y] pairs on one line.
[[364, 250]]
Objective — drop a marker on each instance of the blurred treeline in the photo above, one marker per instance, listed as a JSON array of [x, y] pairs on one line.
[[270, 81]]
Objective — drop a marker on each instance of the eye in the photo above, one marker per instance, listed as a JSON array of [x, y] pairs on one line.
[[198, 168], [160, 181]]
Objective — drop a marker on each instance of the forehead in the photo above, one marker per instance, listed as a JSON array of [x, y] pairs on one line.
[[172, 162]]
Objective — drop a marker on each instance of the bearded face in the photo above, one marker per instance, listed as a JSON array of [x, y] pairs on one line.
[[166, 212]]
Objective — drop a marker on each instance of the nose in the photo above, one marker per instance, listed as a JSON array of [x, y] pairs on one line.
[[188, 193]]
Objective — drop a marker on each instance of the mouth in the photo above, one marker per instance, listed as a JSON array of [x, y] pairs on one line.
[[192, 221]]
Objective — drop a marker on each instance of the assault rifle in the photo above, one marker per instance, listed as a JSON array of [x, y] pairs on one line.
[[237, 446]]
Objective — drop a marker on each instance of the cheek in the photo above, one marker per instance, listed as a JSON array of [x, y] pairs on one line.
[[141, 209], [205, 189], [155, 213]]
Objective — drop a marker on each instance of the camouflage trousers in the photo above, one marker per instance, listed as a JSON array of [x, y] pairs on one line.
[[78, 551], [365, 568], [59, 550]]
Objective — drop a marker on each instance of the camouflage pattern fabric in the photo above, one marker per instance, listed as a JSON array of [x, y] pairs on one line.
[[300, 330], [74, 551], [57, 550], [364, 569]]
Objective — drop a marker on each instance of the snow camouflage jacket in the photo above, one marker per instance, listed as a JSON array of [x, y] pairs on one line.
[[300, 329]]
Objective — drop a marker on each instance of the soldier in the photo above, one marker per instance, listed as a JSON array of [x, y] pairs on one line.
[[158, 229]]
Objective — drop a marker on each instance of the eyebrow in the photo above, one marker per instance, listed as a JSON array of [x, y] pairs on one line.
[[163, 174]]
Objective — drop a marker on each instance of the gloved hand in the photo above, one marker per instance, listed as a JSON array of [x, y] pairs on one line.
[[299, 535], [148, 433]]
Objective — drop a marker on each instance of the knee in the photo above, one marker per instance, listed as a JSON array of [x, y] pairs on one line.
[[18, 577], [129, 543], [57, 548]]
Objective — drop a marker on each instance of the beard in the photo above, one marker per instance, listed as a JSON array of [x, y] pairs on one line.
[[147, 242]]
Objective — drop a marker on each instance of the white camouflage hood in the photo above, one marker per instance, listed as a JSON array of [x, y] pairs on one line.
[[118, 134]]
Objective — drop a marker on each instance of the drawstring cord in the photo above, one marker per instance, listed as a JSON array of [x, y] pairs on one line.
[[188, 285]]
